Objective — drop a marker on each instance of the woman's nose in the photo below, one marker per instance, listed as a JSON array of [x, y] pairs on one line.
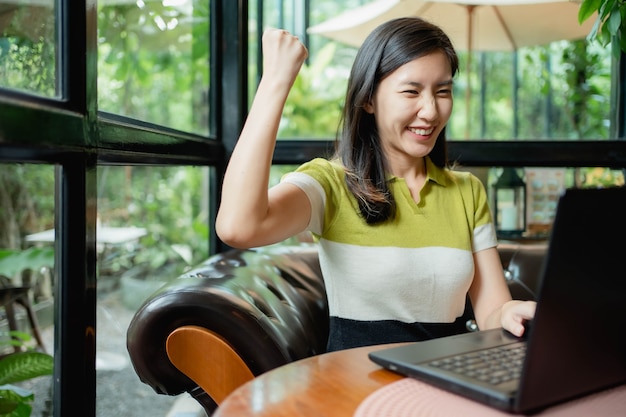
[[428, 108]]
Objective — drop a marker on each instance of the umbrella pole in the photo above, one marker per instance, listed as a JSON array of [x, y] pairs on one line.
[[468, 95], [468, 88]]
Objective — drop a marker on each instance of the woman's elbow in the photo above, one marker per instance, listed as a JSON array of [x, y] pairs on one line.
[[233, 233]]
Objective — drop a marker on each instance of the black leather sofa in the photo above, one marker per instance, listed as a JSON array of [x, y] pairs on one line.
[[245, 312]]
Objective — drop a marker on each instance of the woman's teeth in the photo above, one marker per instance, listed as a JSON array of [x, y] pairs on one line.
[[422, 132]]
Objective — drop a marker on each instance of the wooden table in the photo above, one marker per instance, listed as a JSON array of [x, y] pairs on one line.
[[336, 384], [329, 384]]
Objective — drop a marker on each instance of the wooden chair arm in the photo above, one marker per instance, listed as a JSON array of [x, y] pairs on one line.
[[207, 360]]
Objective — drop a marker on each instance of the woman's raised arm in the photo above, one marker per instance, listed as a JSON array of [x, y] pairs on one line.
[[249, 214]]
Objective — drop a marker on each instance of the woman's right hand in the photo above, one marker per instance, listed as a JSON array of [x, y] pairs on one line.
[[283, 56]]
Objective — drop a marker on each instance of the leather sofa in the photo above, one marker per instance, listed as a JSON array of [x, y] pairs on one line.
[[245, 312]]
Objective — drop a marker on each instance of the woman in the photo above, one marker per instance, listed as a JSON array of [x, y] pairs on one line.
[[402, 237]]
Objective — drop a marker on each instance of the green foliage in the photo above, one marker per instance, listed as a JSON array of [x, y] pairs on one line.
[[17, 338], [153, 62], [14, 261], [27, 49], [565, 91], [598, 177], [584, 103], [22, 366], [169, 203], [26, 201], [313, 107], [18, 367], [151, 261], [608, 26]]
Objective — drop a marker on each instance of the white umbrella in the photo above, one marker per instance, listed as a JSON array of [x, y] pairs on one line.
[[480, 25], [472, 25]]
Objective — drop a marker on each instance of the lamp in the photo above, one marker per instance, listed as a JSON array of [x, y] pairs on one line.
[[510, 204]]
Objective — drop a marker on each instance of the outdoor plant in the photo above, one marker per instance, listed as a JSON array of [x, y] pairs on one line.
[[16, 367], [608, 26], [14, 261], [16, 401]]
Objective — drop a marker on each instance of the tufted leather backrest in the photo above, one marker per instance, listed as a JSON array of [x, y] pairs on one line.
[[268, 304]]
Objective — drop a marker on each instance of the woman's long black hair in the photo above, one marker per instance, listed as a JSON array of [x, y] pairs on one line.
[[387, 48]]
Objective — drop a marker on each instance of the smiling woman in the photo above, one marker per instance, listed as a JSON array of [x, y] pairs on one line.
[[388, 196]]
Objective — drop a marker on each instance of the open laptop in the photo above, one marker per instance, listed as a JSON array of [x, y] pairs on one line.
[[575, 345]]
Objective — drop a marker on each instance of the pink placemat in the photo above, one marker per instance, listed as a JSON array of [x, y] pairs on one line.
[[409, 397]]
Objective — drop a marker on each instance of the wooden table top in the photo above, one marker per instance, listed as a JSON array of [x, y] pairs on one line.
[[340, 384], [330, 384]]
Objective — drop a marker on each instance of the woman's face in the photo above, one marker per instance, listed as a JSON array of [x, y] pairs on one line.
[[411, 107]]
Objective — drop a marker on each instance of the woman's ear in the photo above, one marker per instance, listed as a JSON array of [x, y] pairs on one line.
[[369, 107]]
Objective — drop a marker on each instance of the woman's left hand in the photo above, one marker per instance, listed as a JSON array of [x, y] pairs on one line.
[[515, 314]]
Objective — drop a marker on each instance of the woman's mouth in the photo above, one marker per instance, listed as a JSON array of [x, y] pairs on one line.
[[421, 132]]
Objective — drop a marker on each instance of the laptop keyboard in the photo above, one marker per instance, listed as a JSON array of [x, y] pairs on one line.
[[494, 366]]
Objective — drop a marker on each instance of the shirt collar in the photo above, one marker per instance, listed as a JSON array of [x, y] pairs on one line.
[[433, 173]]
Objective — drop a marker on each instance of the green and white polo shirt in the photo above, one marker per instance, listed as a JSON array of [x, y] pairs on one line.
[[415, 268]]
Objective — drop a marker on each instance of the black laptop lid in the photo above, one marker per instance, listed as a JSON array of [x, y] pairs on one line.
[[582, 311]]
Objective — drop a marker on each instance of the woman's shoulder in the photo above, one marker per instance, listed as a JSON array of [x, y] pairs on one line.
[[452, 175], [323, 164], [323, 168], [465, 182], [463, 177]]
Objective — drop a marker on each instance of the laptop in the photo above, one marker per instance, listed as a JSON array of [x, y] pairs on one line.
[[576, 343]]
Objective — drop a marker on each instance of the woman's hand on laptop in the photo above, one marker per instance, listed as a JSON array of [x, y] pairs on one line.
[[515, 314]]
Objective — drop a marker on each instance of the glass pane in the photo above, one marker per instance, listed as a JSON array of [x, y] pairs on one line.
[[26, 274], [27, 46], [152, 226], [153, 61]]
